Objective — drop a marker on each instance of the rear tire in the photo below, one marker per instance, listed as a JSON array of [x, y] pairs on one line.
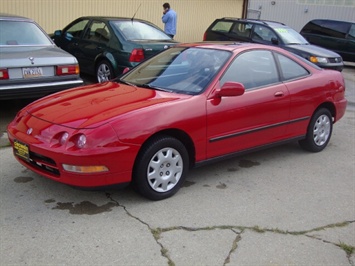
[[104, 71], [319, 131], [161, 168]]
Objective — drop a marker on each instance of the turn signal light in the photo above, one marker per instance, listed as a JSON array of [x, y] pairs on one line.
[[137, 55], [4, 74], [68, 70]]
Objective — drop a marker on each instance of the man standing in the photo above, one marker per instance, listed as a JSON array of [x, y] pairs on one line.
[[169, 19]]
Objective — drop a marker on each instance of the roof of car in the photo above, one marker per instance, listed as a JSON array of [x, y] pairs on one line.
[[266, 22], [5, 16], [228, 46], [107, 18]]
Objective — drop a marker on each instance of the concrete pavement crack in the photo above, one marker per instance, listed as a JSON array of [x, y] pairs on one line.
[[155, 234]]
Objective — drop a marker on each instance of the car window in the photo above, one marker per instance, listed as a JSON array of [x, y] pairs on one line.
[[98, 32], [351, 34], [253, 69], [22, 33], [241, 29], [290, 36], [263, 33], [180, 70], [222, 26], [76, 29], [291, 69], [136, 30], [336, 29]]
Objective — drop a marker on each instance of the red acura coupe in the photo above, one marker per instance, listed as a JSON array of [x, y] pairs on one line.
[[187, 106]]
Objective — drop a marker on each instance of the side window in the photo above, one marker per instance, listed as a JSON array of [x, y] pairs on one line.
[[222, 26], [335, 29], [253, 69], [241, 29], [98, 32], [290, 69], [263, 33], [351, 34], [76, 29]]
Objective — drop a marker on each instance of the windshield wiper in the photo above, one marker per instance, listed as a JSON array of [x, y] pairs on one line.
[[153, 87], [127, 83]]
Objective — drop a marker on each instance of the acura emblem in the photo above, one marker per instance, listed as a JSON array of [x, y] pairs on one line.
[[29, 131], [32, 60]]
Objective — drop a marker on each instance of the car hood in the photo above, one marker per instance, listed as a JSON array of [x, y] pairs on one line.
[[311, 49], [42, 56], [94, 105]]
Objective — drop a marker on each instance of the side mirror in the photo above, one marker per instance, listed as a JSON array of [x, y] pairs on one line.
[[230, 88], [274, 41], [57, 33]]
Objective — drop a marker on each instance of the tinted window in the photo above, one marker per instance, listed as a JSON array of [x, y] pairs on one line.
[[76, 29], [291, 69], [351, 34], [263, 33], [330, 28], [252, 69], [241, 29], [97, 32], [222, 26]]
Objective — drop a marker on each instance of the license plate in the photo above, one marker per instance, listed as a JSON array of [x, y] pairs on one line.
[[21, 150], [32, 72]]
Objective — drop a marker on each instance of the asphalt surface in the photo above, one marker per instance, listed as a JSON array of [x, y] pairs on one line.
[[281, 206]]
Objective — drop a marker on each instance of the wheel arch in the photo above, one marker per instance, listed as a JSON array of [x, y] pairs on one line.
[[327, 105], [110, 58], [180, 135]]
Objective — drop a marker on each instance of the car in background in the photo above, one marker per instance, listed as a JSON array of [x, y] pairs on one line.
[[187, 106], [335, 35], [31, 65], [272, 33], [105, 46]]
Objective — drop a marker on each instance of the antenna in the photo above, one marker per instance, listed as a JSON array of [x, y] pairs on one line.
[[136, 11]]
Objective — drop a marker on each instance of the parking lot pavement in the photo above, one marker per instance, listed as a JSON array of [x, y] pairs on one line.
[[281, 206]]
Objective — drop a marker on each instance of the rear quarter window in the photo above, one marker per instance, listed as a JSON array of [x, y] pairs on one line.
[[222, 26]]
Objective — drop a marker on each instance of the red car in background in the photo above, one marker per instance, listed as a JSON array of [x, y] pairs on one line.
[[187, 106]]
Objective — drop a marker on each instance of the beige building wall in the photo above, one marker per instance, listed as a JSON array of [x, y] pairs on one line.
[[194, 16]]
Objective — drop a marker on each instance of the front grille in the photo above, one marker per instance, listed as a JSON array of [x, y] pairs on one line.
[[335, 60], [43, 163]]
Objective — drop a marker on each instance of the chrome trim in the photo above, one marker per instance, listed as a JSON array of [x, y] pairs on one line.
[[40, 85]]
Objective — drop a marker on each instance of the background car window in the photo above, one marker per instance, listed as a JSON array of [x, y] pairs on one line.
[[263, 33], [222, 26], [336, 29], [290, 69], [351, 34], [77, 28], [136, 30], [252, 69], [30, 34], [290, 36], [97, 32], [241, 29]]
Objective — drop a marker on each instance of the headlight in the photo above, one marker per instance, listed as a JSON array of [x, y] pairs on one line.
[[316, 59], [63, 139], [80, 141]]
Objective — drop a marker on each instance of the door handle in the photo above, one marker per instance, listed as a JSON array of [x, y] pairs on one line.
[[279, 94]]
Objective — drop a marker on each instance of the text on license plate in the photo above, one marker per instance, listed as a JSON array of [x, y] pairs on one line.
[[32, 72], [21, 150]]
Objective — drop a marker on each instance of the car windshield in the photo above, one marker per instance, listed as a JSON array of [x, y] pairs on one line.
[[136, 30], [15, 33], [178, 69], [290, 36]]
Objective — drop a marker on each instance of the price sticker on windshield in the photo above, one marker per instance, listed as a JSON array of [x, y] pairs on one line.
[[280, 30]]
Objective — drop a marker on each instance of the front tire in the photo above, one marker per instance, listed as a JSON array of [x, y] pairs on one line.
[[104, 71], [319, 131], [161, 168]]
